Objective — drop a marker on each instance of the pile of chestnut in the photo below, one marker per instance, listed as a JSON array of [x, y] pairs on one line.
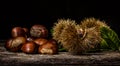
[[31, 41]]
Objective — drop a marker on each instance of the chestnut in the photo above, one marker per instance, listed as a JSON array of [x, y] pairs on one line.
[[29, 47], [48, 48], [17, 32], [52, 41], [14, 44], [8, 45], [25, 29], [40, 41], [38, 31]]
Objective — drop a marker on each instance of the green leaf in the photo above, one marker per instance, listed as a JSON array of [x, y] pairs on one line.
[[111, 40], [104, 44]]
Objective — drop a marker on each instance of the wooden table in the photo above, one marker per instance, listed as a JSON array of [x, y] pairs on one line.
[[62, 59]]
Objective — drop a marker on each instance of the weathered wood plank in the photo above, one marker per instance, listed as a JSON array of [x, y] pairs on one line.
[[61, 59]]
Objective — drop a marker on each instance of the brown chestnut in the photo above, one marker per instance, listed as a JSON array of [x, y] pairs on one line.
[[38, 31], [29, 48], [25, 29], [48, 48], [14, 44], [40, 41], [17, 32], [8, 45], [52, 41]]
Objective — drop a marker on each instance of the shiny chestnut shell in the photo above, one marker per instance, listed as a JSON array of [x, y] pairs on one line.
[[38, 31], [29, 47], [40, 41], [8, 46], [14, 44], [18, 32], [48, 48], [25, 29], [52, 41]]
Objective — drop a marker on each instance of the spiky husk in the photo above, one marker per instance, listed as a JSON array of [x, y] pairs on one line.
[[89, 23], [92, 39], [66, 32], [79, 38], [70, 39], [59, 27], [76, 44], [93, 22]]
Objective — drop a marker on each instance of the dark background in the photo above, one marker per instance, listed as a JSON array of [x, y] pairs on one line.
[[46, 12]]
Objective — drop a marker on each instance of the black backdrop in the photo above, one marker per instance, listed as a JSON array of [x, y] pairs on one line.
[[46, 12]]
